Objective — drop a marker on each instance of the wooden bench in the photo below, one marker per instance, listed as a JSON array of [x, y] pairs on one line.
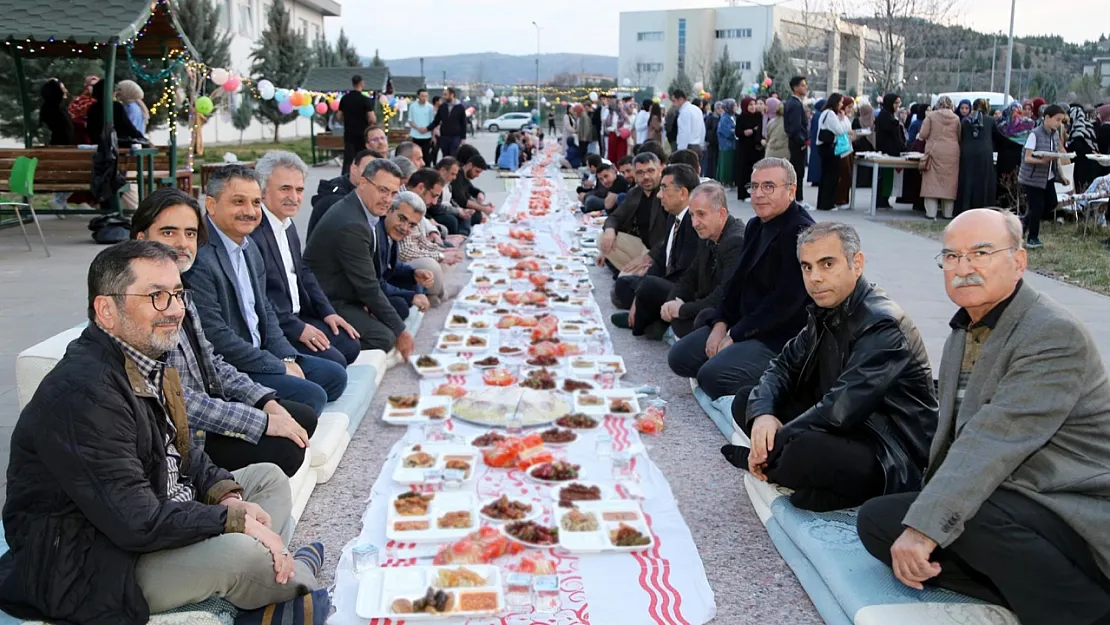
[[326, 142]]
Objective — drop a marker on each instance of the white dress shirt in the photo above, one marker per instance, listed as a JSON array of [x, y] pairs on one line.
[[280, 226], [642, 126], [691, 126], [673, 232]]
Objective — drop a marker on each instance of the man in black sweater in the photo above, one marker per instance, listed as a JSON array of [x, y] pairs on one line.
[[328, 192], [794, 122], [764, 303], [452, 117]]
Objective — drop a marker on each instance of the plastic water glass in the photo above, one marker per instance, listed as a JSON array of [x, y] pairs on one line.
[[603, 445], [622, 465], [364, 559], [434, 430]]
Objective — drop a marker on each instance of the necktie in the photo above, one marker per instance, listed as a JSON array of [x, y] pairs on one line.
[[674, 246]]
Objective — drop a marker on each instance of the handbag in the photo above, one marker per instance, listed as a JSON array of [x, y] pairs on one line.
[[843, 145]]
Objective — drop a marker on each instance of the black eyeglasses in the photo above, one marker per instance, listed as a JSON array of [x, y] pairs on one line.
[[160, 300], [978, 259], [766, 187]]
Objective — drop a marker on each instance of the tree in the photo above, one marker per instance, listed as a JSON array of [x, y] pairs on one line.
[[724, 80], [345, 52], [641, 72], [281, 56], [71, 72], [377, 60], [778, 66], [681, 81], [242, 115], [200, 22], [325, 55]]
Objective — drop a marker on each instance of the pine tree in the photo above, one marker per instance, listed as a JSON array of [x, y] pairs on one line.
[[683, 82], [325, 54], [377, 60], [724, 80], [200, 22], [778, 67], [243, 114], [281, 56], [346, 53]]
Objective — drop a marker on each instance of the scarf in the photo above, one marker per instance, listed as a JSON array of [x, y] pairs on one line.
[[1015, 126], [769, 114], [960, 106], [1037, 104], [1103, 113], [1081, 128]]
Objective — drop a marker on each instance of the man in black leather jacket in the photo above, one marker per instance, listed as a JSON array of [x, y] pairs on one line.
[[848, 410]]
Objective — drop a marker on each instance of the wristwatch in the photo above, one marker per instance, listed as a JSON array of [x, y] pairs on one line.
[[289, 359]]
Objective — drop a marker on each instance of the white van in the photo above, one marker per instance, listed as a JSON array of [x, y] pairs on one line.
[[997, 100]]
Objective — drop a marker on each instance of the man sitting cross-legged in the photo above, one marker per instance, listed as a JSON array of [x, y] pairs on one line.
[[846, 411], [764, 305], [702, 286], [236, 420], [1016, 501], [639, 223], [670, 259], [111, 512]]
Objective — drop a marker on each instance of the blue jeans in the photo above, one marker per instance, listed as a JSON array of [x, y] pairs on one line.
[[324, 381]]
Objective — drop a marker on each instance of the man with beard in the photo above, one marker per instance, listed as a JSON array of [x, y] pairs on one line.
[[112, 513], [451, 121], [468, 196], [640, 222], [229, 283], [236, 420], [306, 317]]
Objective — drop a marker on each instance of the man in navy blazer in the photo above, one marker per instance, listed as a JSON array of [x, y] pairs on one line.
[[303, 311], [228, 281], [765, 302]]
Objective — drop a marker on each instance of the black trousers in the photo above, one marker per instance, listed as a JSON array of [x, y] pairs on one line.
[[798, 160], [735, 370], [351, 146], [624, 291], [1041, 202], [651, 294], [826, 471], [343, 350], [235, 453], [1013, 552], [830, 176], [426, 151]]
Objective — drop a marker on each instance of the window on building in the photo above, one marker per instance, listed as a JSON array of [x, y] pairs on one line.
[[734, 33], [304, 27], [742, 65], [315, 32], [649, 67], [654, 35], [246, 20], [842, 80], [682, 44], [224, 11]]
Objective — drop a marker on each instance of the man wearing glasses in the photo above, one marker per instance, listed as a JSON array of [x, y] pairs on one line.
[[765, 302], [1016, 500], [343, 254], [401, 283], [236, 420]]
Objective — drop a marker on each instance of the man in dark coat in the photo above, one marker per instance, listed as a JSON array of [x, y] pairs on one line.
[[451, 121], [847, 411], [639, 223], [764, 303], [328, 192], [794, 123], [111, 514]]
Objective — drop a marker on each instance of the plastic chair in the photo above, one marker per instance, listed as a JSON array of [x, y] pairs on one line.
[[22, 182]]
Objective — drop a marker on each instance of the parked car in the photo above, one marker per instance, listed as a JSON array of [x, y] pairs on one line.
[[508, 121]]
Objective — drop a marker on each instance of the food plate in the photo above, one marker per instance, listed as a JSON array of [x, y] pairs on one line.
[[505, 531], [405, 416], [563, 422], [463, 342], [1045, 153], [536, 510], [609, 401], [575, 303], [589, 366], [605, 491], [492, 406], [609, 517], [475, 323], [439, 458], [434, 509], [550, 434], [558, 464], [482, 441], [1101, 159], [379, 588], [444, 365]]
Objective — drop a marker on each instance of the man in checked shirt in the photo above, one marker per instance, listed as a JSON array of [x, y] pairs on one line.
[[235, 420]]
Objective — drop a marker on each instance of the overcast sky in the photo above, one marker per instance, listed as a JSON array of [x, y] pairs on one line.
[[441, 27]]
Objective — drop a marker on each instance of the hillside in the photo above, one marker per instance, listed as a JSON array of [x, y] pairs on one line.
[[502, 68]]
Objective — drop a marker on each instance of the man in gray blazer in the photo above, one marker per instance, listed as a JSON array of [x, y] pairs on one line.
[[1015, 509], [341, 253]]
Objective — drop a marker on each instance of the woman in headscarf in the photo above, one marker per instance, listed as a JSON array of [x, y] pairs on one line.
[[749, 142], [919, 112], [726, 143], [655, 123], [829, 130], [978, 184], [890, 139], [1037, 104], [53, 113], [1102, 133], [1010, 134], [126, 132], [778, 144], [570, 136], [770, 108], [941, 134], [843, 195], [911, 178], [864, 125], [1081, 140], [813, 167], [712, 143], [131, 96], [963, 109]]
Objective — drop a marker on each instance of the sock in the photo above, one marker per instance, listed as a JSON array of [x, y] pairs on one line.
[[312, 555], [620, 320], [737, 455], [656, 330]]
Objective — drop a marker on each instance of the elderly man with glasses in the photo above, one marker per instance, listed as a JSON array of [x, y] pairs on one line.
[[344, 254], [401, 283], [765, 303]]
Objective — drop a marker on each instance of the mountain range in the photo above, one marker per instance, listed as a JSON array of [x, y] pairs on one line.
[[491, 67]]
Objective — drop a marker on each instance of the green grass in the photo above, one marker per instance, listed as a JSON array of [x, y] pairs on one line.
[[253, 151], [1068, 255]]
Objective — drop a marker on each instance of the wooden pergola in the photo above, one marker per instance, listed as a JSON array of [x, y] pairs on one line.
[[108, 30]]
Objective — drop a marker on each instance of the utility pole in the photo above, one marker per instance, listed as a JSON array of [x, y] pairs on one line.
[[1009, 54], [444, 79], [421, 67], [994, 56], [539, 107], [959, 66]]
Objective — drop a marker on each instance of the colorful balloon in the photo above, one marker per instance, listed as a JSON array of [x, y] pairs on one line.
[[265, 89], [204, 105], [232, 84], [593, 96], [321, 108], [306, 110], [281, 95], [285, 107], [662, 96], [219, 76], [334, 105]]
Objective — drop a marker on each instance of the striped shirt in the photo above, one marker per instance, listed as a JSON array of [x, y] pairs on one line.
[[153, 371]]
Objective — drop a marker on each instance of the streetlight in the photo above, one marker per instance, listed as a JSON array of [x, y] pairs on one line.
[[539, 107], [1009, 55]]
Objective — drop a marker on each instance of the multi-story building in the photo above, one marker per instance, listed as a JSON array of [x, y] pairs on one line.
[[656, 45], [1099, 67]]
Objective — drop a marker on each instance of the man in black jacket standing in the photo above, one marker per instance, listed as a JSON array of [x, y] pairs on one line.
[[111, 513], [847, 411], [356, 110], [764, 304], [452, 117], [796, 127], [328, 192]]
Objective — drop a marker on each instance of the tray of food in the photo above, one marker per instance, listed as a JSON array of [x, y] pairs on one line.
[[531, 534], [477, 323], [407, 409], [556, 472], [571, 385], [540, 379], [578, 421], [487, 362], [425, 593], [581, 490], [572, 303], [1048, 154], [492, 407], [558, 437], [431, 517], [618, 402], [431, 366], [599, 526], [590, 366], [1101, 159], [463, 342], [487, 440], [429, 463], [504, 509]]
